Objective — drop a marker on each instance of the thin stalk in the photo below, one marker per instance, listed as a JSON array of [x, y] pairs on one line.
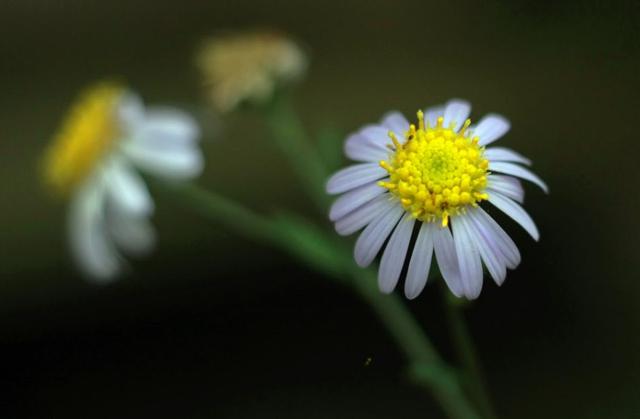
[[223, 210], [290, 137], [332, 258], [474, 381], [426, 366]]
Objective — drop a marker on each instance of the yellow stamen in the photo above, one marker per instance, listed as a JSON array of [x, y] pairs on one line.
[[438, 172], [394, 140], [386, 166], [87, 133], [466, 124]]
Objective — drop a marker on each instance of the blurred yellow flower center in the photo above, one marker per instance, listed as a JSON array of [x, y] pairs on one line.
[[88, 132], [437, 172]]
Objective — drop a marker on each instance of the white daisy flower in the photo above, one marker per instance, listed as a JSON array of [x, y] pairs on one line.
[[431, 182], [107, 136]]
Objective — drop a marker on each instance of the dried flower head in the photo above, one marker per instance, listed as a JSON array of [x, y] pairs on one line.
[[248, 66]]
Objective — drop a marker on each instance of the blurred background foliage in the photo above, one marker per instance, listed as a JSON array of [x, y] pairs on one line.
[[213, 326]]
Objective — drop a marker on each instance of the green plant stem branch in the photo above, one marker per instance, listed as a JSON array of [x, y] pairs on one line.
[[223, 210], [426, 368], [426, 365], [473, 380], [290, 137], [314, 247]]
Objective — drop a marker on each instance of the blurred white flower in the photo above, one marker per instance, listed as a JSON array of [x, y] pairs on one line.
[[106, 137], [248, 66], [434, 178]]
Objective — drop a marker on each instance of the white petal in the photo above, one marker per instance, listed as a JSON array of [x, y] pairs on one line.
[[420, 263], [94, 254], [505, 154], [432, 114], [396, 122], [133, 233], [518, 171], [456, 112], [168, 128], [353, 199], [180, 163], [373, 237], [376, 134], [490, 128], [362, 216], [363, 148], [130, 111], [506, 185], [394, 255], [447, 259], [126, 188], [468, 259], [507, 247], [516, 212], [353, 176], [488, 248]]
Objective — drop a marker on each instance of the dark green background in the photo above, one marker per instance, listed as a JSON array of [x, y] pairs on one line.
[[214, 326]]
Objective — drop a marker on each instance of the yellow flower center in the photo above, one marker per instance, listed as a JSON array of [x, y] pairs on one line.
[[437, 172], [88, 132]]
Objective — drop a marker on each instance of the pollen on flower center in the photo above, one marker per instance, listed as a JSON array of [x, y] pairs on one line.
[[437, 172], [87, 133]]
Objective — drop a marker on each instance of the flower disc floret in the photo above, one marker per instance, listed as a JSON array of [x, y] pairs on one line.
[[436, 172]]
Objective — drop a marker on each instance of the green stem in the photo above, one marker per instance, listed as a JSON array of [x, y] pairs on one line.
[[290, 137], [224, 210], [474, 379], [330, 256], [426, 366]]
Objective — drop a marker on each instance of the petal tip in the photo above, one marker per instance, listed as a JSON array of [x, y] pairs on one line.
[[411, 294]]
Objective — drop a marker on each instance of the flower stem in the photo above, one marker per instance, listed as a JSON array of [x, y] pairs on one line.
[[290, 137], [315, 248], [426, 366], [224, 210], [473, 378]]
